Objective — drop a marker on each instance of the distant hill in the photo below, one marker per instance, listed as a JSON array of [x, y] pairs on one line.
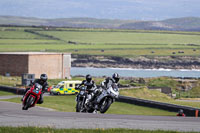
[[147, 25], [184, 24], [21, 21], [187, 23], [63, 22]]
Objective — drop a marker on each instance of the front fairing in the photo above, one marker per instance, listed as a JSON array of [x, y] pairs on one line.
[[110, 92], [37, 89], [114, 93], [114, 90], [103, 94]]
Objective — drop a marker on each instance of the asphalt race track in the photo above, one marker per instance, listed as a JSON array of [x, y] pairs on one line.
[[11, 114]]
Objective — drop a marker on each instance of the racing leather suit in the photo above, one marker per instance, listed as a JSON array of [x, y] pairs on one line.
[[91, 88], [107, 83]]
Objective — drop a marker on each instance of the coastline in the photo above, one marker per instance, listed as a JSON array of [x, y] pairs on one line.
[[141, 62]]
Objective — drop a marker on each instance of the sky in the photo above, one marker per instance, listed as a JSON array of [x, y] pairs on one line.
[[102, 9]]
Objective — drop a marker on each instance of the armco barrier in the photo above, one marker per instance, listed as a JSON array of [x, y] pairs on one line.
[[189, 111], [19, 91]]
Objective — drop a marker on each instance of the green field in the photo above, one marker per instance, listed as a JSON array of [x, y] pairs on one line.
[[125, 38], [125, 43]]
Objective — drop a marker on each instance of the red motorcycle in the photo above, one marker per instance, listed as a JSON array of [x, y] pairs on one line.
[[32, 96]]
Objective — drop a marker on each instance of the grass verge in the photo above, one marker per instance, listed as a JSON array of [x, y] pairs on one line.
[[52, 130], [4, 93]]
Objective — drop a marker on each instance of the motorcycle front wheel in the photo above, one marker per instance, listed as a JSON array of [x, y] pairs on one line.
[[105, 105], [28, 103], [79, 106]]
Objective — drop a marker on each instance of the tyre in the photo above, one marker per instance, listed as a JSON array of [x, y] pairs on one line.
[[78, 106], [90, 110], [105, 105], [23, 108], [29, 102]]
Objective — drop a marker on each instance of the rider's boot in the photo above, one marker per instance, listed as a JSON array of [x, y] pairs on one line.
[[95, 111]]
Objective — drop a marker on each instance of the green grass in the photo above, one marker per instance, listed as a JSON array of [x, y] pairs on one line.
[[176, 87], [18, 34], [163, 82], [10, 81], [124, 43], [26, 42], [124, 108], [195, 92], [4, 93], [67, 104], [109, 50], [53, 130], [124, 37], [145, 93]]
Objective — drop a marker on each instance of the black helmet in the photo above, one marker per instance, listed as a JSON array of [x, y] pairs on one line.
[[43, 77], [115, 76], [88, 77]]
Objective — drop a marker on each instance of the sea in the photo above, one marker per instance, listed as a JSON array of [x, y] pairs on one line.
[[129, 72]]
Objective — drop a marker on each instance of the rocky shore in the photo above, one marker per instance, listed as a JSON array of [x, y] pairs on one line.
[[141, 62]]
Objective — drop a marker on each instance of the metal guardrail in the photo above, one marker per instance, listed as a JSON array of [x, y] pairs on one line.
[[18, 91], [189, 111]]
